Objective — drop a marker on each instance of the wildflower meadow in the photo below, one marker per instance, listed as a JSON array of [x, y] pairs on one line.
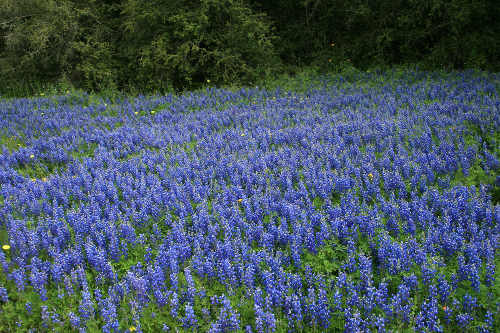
[[358, 203]]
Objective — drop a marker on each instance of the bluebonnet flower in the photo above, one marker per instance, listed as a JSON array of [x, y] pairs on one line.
[[19, 277], [323, 309], [264, 321], [86, 307], [294, 314], [74, 320], [490, 274], [4, 263], [337, 300], [45, 314], [38, 280], [3, 294], [174, 305], [379, 322], [108, 312], [469, 272], [227, 320], [189, 320], [489, 319], [353, 321], [469, 303], [428, 275], [464, 319], [448, 314], [427, 318]]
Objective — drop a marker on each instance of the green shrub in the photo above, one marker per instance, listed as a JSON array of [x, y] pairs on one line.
[[185, 44]]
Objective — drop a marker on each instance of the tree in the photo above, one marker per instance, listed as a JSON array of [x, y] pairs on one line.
[[183, 43]]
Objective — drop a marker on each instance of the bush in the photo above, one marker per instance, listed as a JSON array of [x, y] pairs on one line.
[[135, 45], [183, 44]]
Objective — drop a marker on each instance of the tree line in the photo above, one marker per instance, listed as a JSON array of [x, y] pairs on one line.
[[165, 45]]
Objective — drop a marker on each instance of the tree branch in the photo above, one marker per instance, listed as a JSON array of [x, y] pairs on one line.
[[16, 18]]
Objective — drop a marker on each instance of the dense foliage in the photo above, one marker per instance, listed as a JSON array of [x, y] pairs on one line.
[[133, 45], [166, 45], [363, 203], [435, 33]]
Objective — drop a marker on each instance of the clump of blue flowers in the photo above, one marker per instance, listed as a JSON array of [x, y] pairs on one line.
[[360, 205]]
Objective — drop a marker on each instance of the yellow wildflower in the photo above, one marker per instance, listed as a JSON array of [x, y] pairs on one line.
[[132, 329], [136, 112], [240, 200], [32, 156], [370, 175], [208, 81], [44, 179], [152, 112], [6, 247]]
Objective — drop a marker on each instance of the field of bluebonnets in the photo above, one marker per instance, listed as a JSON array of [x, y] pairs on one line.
[[361, 203]]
